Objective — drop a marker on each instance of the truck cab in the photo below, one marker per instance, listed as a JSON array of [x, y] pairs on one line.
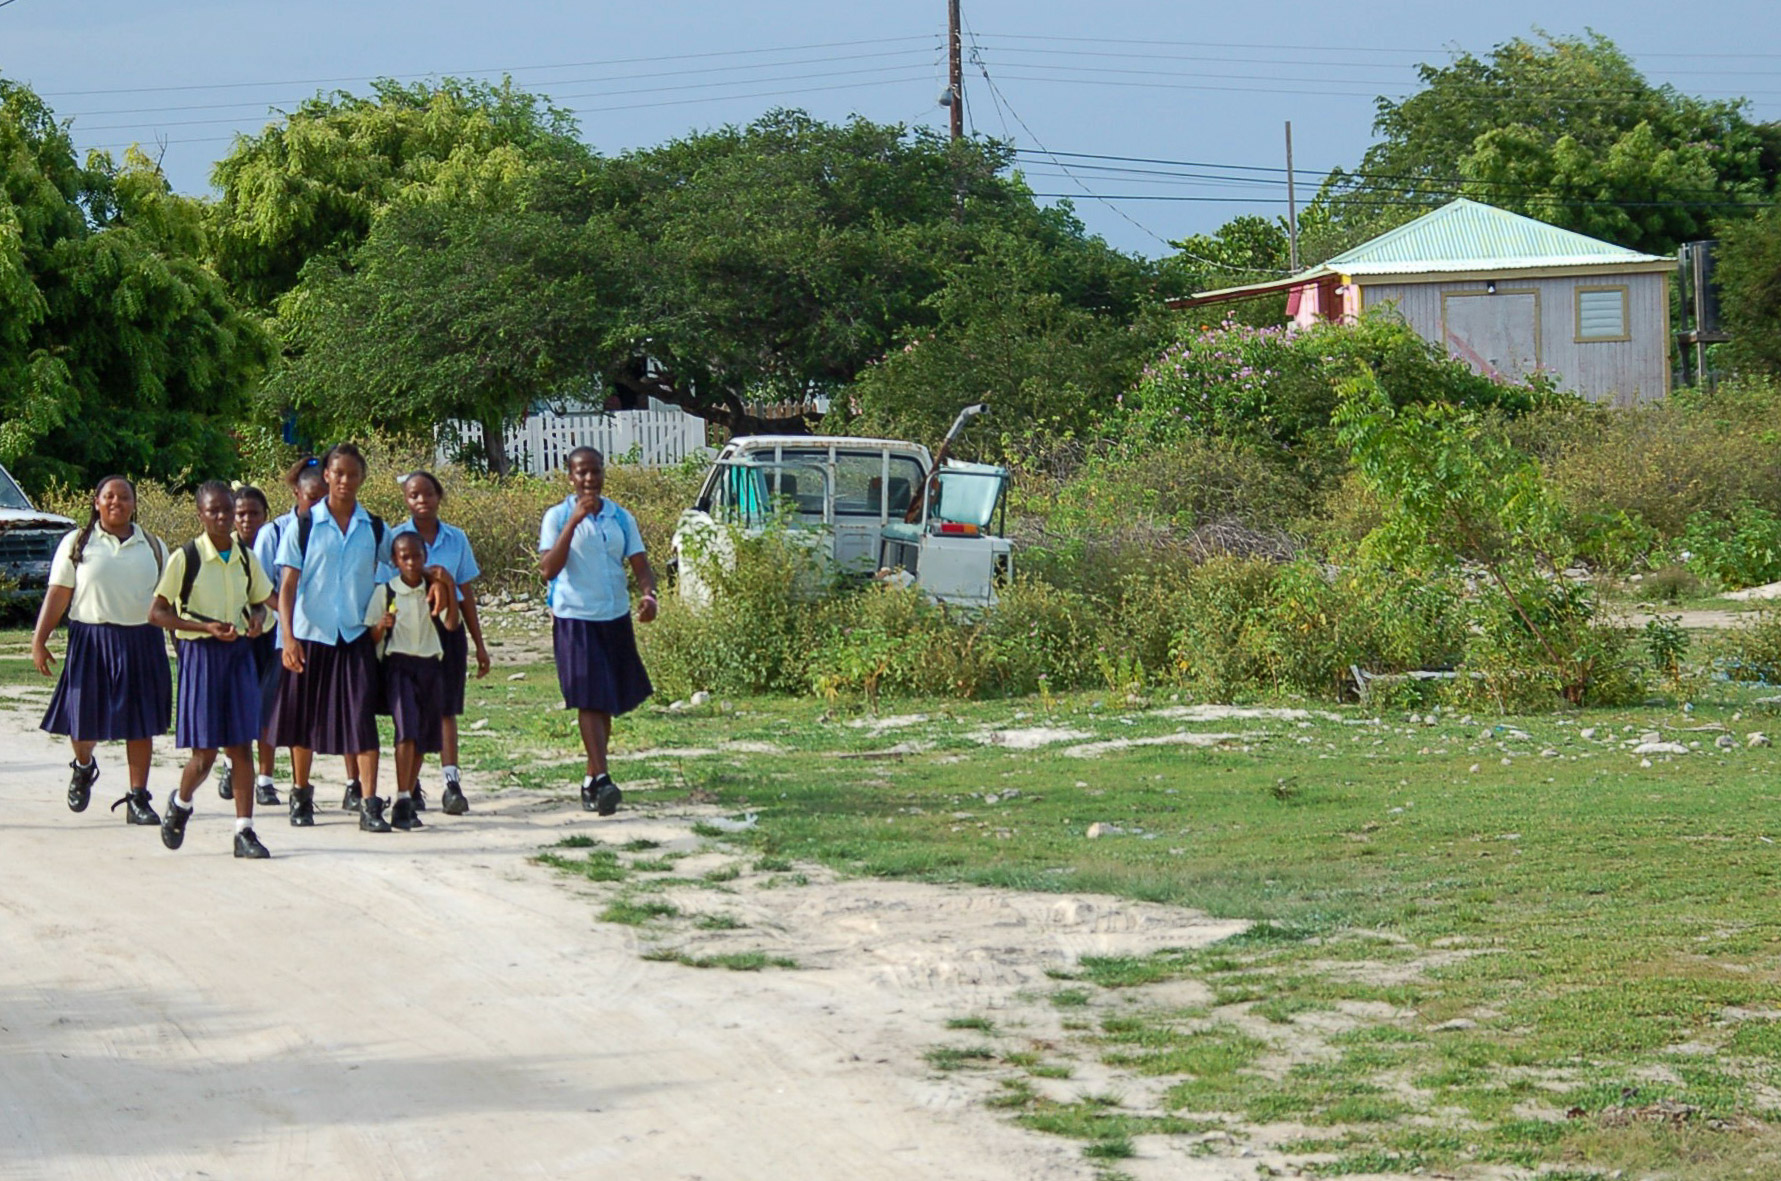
[[28, 539], [846, 497]]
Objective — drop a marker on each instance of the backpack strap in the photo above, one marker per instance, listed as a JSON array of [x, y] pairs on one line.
[[189, 577], [305, 526], [376, 530]]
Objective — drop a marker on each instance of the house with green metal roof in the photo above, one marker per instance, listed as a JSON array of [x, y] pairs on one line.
[[1507, 294]]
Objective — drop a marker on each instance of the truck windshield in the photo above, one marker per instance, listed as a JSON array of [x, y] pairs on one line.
[[10, 496]]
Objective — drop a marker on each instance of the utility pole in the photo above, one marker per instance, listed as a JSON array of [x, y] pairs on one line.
[[1292, 207], [955, 65]]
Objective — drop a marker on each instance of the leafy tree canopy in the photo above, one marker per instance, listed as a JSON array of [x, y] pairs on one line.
[[309, 187], [1749, 276], [1564, 129], [120, 349]]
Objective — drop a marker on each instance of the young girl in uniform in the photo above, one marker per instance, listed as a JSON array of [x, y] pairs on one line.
[[326, 697], [584, 544], [401, 620], [252, 514], [449, 550], [212, 597], [114, 684]]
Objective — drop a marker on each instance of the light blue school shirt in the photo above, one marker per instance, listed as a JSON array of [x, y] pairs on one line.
[[266, 549], [337, 575], [450, 551], [592, 583]]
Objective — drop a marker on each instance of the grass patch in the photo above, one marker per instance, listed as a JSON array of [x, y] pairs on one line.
[[634, 912], [736, 961], [640, 845], [980, 1024], [725, 873], [719, 922], [602, 865], [772, 865], [957, 1057]]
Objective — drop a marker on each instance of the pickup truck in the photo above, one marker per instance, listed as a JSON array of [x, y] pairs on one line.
[[847, 498], [28, 538]]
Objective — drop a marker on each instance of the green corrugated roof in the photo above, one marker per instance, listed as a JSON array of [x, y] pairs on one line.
[[1464, 235]]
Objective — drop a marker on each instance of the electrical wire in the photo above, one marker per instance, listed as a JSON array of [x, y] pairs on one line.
[[1318, 48]]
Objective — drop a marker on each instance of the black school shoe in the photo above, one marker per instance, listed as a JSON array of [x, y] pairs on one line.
[[173, 825], [420, 798], [248, 845], [453, 803], [355, 795], [302, 807], [139, 811], [607, 797], [266, 794], [371, 816], [402, 814], [80, 785], [587, 796], [224, 773]]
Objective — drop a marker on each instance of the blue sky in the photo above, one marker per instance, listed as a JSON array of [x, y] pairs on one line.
[[1210, 84]]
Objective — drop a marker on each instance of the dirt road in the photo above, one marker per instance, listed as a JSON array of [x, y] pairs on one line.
[[430, 1005]]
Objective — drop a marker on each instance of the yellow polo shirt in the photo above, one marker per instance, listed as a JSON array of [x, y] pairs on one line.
[[414, 634], [114, 581], [224, 589]]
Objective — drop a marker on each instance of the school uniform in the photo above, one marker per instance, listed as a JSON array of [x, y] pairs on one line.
[[451, 552], [219, 680], [598, 667], [331, 706], [114, 684], [266, 649], [413, 664]]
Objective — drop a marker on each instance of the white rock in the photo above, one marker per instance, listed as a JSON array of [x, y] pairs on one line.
[[677, 706], [1757, 739], [699, 698], [516, 676], [1725, 742], [1650, 747], [1644, 762], [1587, 733], [480, 724], [1651, 736], [1474, 768], [1097, 830], [1549, 753]]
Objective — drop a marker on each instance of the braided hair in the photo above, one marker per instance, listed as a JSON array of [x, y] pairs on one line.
[[86, 531]]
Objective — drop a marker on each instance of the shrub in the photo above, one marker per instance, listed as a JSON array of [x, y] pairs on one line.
[[1739, 551], [1661, 463], [1752, 651]]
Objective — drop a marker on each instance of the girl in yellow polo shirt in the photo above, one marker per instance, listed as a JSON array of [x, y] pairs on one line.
[[114, 684], [212, 596]]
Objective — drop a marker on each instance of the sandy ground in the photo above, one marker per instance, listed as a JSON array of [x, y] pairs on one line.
[[430, 1005]]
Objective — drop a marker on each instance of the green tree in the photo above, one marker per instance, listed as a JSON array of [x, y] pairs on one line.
[[447, 313], [776, 262], [1750, 290], [1564, 129], [120, 349], [311, 185], [997, 334]]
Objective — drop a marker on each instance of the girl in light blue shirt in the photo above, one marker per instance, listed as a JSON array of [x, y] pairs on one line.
[[584, 545]]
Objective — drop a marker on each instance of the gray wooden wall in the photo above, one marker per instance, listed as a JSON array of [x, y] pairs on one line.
[[1634, 370]]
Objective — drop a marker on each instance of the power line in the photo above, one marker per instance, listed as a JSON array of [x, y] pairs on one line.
[[617, 61], [1382, 202], [903, 69], [921, 53], [1322, 48]]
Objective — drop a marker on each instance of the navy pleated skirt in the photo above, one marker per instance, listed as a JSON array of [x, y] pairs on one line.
[[412, 691], [266, 655], [598, 667], [219, 695], [114, 685], [455, 668], [331, 706]]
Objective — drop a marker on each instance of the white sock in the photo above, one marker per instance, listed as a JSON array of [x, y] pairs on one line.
[[85, 765], [588, 781], [243, 824], [403, 795], [262, 781], [183, 805], [450, 773]]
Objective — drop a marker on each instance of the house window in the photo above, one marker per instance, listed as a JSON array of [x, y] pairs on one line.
[[1602, 314]]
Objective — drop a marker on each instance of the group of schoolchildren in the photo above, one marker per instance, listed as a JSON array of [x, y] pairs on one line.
[[299, 632]]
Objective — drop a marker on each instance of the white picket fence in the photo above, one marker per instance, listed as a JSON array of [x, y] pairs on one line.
[[658, 437]]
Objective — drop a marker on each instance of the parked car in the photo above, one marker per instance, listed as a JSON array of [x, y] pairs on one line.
[[849, 499], [28, 538]]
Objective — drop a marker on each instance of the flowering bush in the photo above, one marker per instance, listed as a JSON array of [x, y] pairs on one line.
[[1277, 386]]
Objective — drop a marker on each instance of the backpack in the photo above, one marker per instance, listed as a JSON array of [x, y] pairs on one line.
[[306, 526], [189, 578]]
